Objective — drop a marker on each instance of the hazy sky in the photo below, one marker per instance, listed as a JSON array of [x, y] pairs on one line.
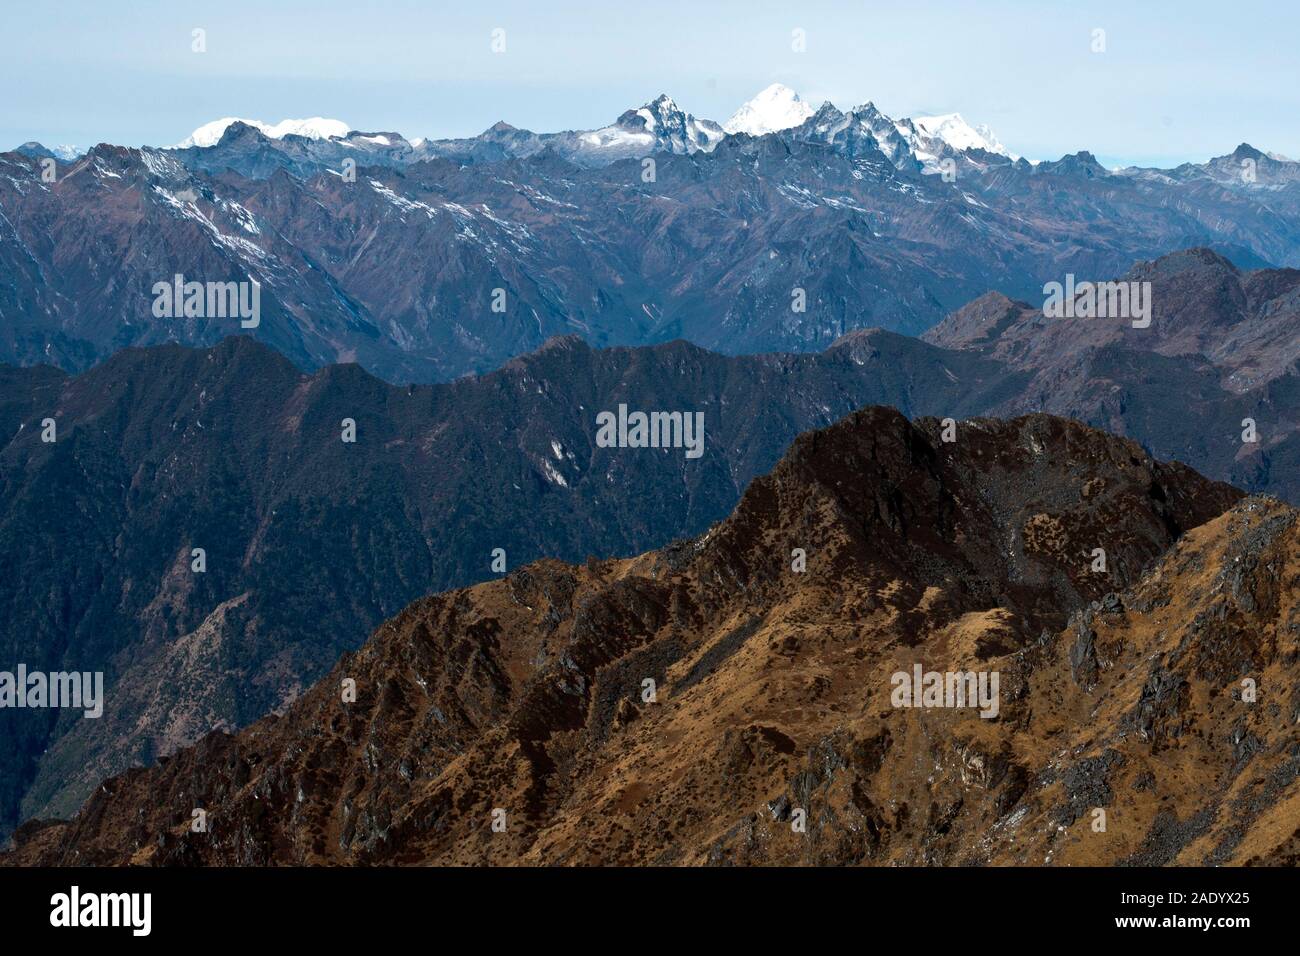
[[1178, 80]]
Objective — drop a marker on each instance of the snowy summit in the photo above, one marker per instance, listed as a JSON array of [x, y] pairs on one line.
[[775, 108], [317, 127], [960, 135], [660, 125]]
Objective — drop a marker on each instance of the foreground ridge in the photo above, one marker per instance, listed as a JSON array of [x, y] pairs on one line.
[[512, 722]]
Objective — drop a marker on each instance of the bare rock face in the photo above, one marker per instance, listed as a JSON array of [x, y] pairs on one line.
[[734, 698]]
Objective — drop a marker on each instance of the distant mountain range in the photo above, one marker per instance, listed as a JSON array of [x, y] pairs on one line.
[[312, 542], [424, 260], [733, 699], [658, 126]]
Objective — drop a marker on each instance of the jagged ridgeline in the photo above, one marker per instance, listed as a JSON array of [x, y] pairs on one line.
[[731, 698], [423, 260], [325, 503]]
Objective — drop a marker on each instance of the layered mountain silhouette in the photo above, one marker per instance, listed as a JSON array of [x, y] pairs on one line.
[[767, 275], [732, 698], [426, 261], [310, 541]]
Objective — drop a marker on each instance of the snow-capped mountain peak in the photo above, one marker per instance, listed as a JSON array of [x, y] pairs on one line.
[[776, 108], [316, 127], [960, 135], [658, 108], [658, 125]]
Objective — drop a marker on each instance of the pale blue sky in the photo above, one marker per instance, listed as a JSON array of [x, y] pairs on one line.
[[1178, 81]]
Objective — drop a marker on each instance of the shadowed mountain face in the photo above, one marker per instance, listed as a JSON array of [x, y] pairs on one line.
[[771, 731], [310, 542], [427, 270], [1245, 324], [1223, 347]]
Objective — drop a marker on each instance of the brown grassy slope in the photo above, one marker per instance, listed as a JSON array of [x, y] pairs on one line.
[[773, 690]]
